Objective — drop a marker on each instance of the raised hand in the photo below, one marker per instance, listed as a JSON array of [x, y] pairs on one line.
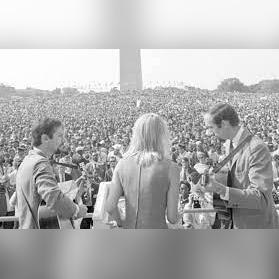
[[214, 186], [81, 184]]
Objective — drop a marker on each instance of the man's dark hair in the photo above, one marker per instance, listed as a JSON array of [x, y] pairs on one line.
[[221, 112], [46, 126], [185, 159]]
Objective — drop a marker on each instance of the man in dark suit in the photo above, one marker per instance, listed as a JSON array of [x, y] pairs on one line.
[[249, 196], [36, 180]]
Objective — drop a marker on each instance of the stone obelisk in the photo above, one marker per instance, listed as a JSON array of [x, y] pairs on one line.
[[130, 69]]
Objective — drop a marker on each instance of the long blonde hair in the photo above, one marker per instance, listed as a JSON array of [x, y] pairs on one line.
[[150, 140]]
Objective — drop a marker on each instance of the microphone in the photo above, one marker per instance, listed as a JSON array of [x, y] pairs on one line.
[[64, 164]]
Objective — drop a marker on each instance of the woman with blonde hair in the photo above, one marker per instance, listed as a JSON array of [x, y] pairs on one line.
[[147, 178]]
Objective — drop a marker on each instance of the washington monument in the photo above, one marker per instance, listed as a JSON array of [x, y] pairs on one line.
[[130, 69]]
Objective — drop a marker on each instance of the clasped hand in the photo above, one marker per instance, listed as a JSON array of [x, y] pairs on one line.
[[213, 186]]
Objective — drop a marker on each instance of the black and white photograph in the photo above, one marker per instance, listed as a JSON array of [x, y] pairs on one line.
[[139, 139]]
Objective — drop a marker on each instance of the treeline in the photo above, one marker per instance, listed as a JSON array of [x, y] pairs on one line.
[[227, 85], [235, 85], [6, 91]]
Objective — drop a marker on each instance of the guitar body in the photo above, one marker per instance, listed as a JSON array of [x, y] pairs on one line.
[[48, 219], [222, 175]]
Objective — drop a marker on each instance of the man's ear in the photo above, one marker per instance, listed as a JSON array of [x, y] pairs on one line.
[[44, 138], [225, 124]]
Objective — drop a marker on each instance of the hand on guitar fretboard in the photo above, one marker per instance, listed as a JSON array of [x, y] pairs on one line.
[[195, 176]]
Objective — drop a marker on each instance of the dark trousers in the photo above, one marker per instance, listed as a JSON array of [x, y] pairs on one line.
[[87, 223], [3, 203], [220, 223], [11, 224]]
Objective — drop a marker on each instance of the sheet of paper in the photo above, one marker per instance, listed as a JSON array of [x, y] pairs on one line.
[[99, 209], [69, 188]]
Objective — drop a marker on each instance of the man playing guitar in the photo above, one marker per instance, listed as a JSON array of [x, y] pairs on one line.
[[36, 181], [248, 194]]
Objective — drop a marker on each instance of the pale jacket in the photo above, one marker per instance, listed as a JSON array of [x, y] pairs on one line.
[[250, 197]]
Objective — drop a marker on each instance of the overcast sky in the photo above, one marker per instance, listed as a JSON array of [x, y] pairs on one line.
[[207, 68], [51, 68], [48, 69]]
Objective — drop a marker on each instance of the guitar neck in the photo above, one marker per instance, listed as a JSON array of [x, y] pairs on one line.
[[221, 165], [231, 155]]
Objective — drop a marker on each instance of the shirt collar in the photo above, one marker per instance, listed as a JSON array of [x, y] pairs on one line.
[[39, 151], [237, 137]]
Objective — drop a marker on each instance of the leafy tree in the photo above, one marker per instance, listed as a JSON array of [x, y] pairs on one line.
[[232, 85]]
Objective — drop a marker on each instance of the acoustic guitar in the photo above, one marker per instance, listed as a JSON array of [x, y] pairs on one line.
[[196, 177], [48, 219], [204, 177]]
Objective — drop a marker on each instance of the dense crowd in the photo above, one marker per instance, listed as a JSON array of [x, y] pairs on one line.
[[98, 128]]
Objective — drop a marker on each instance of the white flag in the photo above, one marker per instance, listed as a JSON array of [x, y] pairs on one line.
[[138, 103]]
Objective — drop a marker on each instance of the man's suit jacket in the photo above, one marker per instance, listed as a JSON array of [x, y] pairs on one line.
[[250, 196], [36, 181]]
